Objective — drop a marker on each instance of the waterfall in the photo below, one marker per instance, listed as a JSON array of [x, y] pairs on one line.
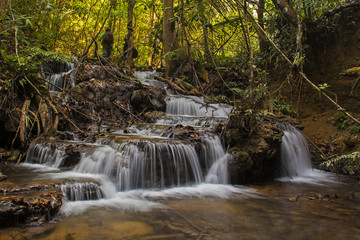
[[145, 75], [295, 154], [195, 106], [139, 164], [216, 160], [143, 157], [63, 76], [82, 191], [45, 153]]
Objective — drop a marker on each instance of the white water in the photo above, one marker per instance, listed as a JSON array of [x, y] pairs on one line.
[[195, 106], [143, 163], [296, 159], [62, 79], [45, 154], [146, 200], [295, 155]]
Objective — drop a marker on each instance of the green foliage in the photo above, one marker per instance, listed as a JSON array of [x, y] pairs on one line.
[[265, 113], [354, 129], [312, 10], [346, 164], [39, 55], [340, 120], [278, 106]]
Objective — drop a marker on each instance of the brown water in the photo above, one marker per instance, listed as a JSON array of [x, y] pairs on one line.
[[267, 211]]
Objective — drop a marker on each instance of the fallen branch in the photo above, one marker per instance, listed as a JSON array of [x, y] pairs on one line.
[[171, 84], [354, 85], [69, 120], [128, 112]]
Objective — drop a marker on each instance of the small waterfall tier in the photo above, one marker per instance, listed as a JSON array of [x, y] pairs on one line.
[[82, 191], [62, 77], [145, 75], [195, 106], [144, 164], [295, 154], [48, 154]]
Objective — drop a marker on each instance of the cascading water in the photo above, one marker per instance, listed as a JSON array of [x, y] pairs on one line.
[[82, 191], [145, 156], [295, 155], [46, 154], [296, 159], [63, 76]]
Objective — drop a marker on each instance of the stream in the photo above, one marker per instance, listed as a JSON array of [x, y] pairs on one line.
[[142, 183]]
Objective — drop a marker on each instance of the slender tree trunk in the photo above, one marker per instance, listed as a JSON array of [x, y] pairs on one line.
[[169, 37], [207, 52], [129, 37], [151, 37], [112, 23], [260, 13], [3, 4], [251, 56], [287, 11]]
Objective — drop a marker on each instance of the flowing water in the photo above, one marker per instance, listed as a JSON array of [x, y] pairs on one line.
[[140, 183]]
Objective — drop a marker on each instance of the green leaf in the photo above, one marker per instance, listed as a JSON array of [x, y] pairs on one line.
[[28, 23]]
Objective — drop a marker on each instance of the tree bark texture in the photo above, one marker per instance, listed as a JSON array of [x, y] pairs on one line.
[[169, 37], [129, 39], [287, 11]]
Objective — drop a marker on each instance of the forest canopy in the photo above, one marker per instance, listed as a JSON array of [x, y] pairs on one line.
[[211, 29], [244, 39]]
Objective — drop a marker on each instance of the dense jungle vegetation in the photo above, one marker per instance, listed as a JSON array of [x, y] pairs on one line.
[[231, 50]]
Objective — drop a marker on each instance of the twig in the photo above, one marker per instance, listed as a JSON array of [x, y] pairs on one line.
[[354, 85], [69, 120], [128, 112], [317, 147]]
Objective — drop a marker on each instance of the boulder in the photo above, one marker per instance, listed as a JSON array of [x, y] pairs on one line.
[[254, 149]]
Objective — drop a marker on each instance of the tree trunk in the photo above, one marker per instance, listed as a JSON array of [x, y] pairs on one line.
[[151, 37], [129, 39], [3, 5], [112, 24], [287, 12], [169, 37], [203, 19], [260, 13]]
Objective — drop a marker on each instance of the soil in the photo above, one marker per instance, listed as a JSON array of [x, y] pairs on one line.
[[332, 47]]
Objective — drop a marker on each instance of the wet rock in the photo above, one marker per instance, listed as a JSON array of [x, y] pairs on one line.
[[15, 211], [111, 102], [72, 155], [102, 102], [240, 160], [14, 156], [92, 71], [149, 99], [355, 196], [152, 116], [313, 196], [2, 177], [181, 132], [255, 148]]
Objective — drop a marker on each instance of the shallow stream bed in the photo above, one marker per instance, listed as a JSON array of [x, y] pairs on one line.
[[315, 207]]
